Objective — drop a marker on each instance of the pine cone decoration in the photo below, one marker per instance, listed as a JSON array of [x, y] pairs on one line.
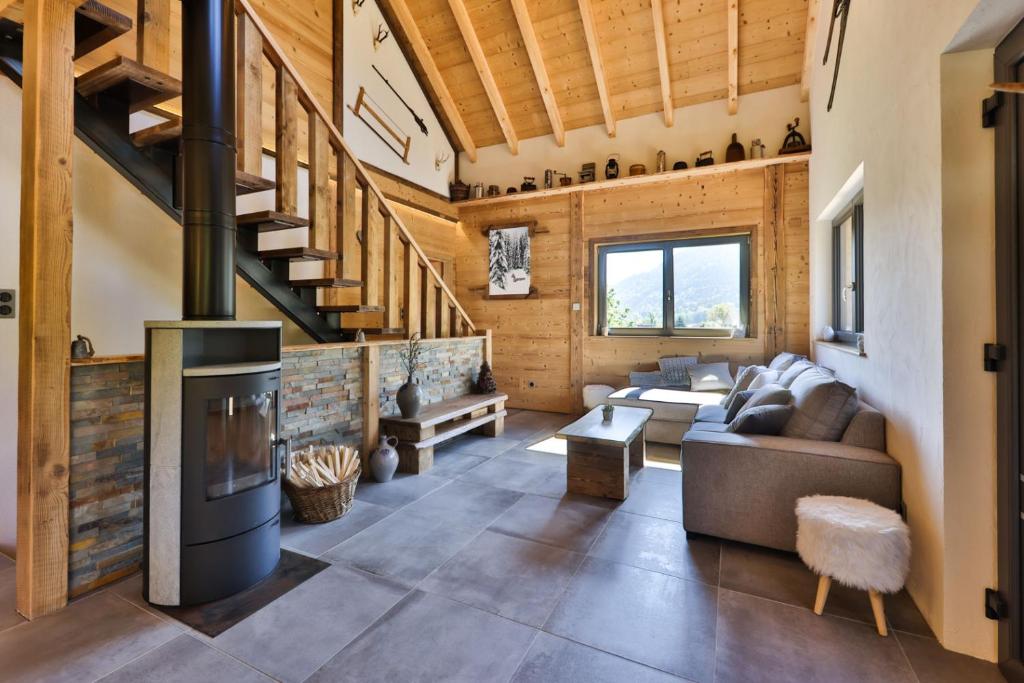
[[485, 383]]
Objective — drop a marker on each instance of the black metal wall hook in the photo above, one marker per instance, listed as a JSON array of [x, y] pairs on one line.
[[841, 11]]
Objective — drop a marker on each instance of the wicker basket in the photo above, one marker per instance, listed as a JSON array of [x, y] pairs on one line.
[[319, 505]]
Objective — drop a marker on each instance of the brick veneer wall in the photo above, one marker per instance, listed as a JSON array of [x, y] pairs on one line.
[[450, 365], [322, 390]]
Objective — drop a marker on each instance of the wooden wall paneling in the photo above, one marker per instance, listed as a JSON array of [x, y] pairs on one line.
[[287, 143], [320, 208], [796, 218], [370, 249], [577, 293], [597, 64], [775, 264], [428, 305], [249, 97], [540, 72], [484, 72], [44, 333], [411, 299], [392, 309], [734, 56], [371, 402], [153, 34]]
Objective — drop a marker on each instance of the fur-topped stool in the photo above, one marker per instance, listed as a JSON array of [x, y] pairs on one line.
[[857, 543]]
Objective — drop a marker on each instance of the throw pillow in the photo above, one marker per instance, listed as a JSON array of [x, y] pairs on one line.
[[645, 380], [738, 402], [765, 378], [710, 377], [784, 360], [771, 395], [794, 371], [744, 376], [762, 420], [673, 370], [822, 407]]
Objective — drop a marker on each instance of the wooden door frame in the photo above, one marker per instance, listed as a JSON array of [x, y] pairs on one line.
[[1009, 299]]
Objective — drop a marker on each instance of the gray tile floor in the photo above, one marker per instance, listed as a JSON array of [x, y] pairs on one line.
[[486, 570]]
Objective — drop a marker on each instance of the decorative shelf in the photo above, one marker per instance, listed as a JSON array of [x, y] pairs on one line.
[[651, 179], [534, 294]]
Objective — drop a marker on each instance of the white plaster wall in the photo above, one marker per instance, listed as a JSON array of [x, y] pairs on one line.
[[969, 321], [10, 200], [359, 58], [888, 116], [697, 128]]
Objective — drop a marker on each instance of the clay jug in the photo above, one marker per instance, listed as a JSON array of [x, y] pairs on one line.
[[384, 460]]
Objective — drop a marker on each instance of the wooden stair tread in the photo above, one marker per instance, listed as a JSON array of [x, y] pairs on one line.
[[298, 254], [374, 330], [127, 80], [269, 221], [96, 25], [350, 309], [449, 409], [247, 183], [154, 135], [330, 282]]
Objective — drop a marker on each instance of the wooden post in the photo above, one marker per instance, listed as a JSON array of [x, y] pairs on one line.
[[577, 323], [44, 334], [338, 9], [371, 402], [249, 97], [489, 348], [392, 317], [429, 306], [345, 228], [413, 280], [319, 176], [775, 263], [287, 137], [371, 247], [153, 34], [443, 319]]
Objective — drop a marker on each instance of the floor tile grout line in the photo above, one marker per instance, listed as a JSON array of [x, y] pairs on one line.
[[522, 659], [799, 607], [906, 657], [613, 654], [718, 617], [150, 650]]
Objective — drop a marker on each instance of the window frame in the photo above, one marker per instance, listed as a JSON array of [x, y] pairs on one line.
[[856, 212], [666, 246]]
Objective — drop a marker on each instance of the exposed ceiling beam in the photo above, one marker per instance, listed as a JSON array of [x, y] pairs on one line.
[[476, 51], [4, 4], [809, 35], [661, 46], [422, 52], [539, 71], [594, 47], [734, 56]]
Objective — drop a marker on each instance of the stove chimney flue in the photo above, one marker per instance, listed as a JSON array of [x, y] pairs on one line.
[[208, 146]]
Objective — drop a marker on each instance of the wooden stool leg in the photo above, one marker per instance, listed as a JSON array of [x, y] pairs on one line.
[[879, 610], [824, 583]]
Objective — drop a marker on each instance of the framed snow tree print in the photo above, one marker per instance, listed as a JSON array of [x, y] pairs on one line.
[[509, 271]]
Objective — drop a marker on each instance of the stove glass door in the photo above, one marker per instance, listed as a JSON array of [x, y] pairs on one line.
[[240, 438]]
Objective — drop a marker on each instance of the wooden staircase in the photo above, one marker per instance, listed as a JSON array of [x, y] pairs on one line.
[[375, 277]]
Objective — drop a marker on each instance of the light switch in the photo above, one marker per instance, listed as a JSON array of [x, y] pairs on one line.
[[576, 306]]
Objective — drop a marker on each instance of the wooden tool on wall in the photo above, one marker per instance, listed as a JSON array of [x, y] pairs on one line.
[[390, 128]]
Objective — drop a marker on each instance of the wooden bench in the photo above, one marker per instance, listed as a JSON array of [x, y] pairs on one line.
[[441, 421]]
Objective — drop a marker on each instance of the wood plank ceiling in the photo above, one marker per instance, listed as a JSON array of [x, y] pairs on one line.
[[603, 60]]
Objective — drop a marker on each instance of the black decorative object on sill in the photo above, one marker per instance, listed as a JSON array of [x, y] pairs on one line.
[[529, 184], [485, 383], [794, 142], [840, 10], [735, 151], [611, 169], [705, 159]]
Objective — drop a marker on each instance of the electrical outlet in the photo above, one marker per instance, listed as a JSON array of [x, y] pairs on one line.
[[576, 306], [6, 303]]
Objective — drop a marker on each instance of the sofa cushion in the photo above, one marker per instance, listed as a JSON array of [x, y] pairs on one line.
[[744, 376], [673, 370], [765, 378], [710, 377], [793, 371], [711, 413], [767, 420], [738, 404], [866, 429], [771, 395], [646, 380], [709, 427], [823, 407], [782, 361]]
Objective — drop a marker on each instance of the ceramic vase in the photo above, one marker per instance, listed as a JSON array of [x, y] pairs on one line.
[[384, 460], [607, 412], [410, 397]]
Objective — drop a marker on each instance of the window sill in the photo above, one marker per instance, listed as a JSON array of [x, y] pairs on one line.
[[850, 349]]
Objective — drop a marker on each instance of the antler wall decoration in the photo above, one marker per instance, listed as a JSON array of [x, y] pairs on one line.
[[381, 36], [841, 11], [440, 159], [357, 5]]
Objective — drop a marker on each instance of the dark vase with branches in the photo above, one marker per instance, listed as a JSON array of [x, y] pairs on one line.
[[410, 396]]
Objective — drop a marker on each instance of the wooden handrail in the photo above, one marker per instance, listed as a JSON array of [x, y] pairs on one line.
[[279, 60]]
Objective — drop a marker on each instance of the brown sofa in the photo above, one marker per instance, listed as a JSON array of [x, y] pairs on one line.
[[745, 487]]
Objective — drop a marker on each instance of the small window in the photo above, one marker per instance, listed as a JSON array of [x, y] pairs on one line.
[[693, 287], [848, 274]]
